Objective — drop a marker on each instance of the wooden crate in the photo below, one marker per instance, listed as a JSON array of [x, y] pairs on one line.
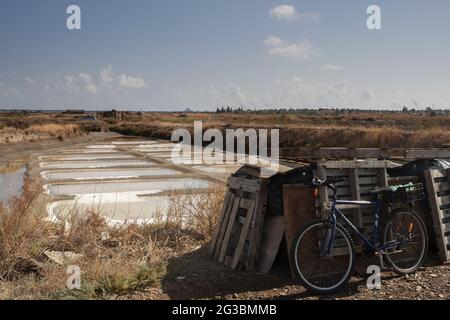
[[236, 238], [438, 190], [362, 177]]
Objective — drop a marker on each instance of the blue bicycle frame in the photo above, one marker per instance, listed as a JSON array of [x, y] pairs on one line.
[[374, 242]]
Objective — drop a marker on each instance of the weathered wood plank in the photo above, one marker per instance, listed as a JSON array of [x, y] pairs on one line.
[[243, 236], [376, 153], [229, 229], [351, 164], [223, 226], [355, 192], [258, 220], [383, 180], [437, 215], [219, 223], [322, 175], [247, 185]]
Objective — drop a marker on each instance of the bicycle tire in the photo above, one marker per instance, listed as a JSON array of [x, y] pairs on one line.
[[423, 253], [294, 259]]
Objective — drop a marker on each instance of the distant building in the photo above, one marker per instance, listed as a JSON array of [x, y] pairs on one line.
[[118, 115], [73, 111]]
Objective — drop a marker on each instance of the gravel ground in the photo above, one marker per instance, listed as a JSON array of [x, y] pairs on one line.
[[194, 276]]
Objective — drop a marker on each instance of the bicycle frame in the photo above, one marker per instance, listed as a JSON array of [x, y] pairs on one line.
[[373, 242]]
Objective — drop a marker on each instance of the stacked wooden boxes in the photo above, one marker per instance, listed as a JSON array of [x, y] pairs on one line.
[[438, 188], [237, 236], [362, 176]]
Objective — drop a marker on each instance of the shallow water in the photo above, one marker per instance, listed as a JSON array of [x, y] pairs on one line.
[[11, 184], [93, 164], [101, 146], [143, 142], [106, 174], [154, 150], [126, 206], [70, 157], [217, 169], [86, 151], [141, 187]]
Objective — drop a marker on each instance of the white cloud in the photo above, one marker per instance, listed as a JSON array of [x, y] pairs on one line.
[[105, 81], [367, 95], [91, 88], [284, 12], [302, 49], [332, 67], [8, 92], [289, 13], [130, 82], [106, 75], [213, 92], [238, 95], [29, 80], [273, 41], [298, 92]]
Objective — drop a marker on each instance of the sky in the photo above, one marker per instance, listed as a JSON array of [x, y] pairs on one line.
[[170, 55]]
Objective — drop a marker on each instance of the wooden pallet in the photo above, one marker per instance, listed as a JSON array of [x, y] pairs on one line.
[[362, 177], [364, 153], [236, 238], [438, 189]]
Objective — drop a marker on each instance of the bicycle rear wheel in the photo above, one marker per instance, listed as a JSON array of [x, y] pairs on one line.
[[407, 228], [318, 272]]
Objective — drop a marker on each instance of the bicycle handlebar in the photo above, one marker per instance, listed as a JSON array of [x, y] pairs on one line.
[[328, 182]]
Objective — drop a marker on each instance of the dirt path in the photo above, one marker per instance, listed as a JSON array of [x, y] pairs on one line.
[[194, 276]]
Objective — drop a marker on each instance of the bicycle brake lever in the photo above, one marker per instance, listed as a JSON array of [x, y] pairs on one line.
[[316, 181]]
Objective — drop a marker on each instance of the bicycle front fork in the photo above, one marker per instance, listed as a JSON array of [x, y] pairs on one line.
[[327, 245]]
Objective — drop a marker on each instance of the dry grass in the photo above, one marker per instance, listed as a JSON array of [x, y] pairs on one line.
[[314, 129], [36, 132], [115, 260], [54, 129], [364, 130]]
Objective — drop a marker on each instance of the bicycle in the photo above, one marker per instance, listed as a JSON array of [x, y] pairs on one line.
[[323, 253]]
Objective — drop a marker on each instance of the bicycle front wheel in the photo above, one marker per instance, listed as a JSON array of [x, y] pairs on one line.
[[319, 270]]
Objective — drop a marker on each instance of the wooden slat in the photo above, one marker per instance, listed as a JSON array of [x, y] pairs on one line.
[[351, 164], [382, 178], [441, 240], [258, 220], [443, 200], [219, 223], [243, 236], [229, 229], [223, 226], [355, 191], [247, 185], [322, 175], [364, 153]]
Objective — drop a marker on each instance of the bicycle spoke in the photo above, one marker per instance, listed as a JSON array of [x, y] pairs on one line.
[[317, 270]]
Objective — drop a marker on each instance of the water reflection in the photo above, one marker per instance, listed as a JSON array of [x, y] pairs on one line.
[[11, 183]]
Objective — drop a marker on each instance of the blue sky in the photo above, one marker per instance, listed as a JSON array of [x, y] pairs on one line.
[[202, 54]]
